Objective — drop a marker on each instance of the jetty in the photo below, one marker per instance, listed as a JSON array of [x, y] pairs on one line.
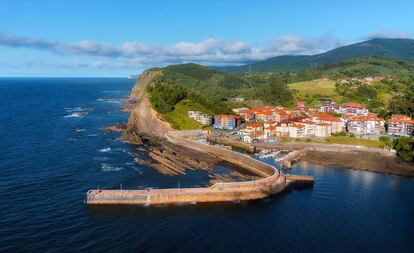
[[272, 182]]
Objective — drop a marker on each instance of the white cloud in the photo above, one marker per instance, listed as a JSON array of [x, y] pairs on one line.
[[211, 51]]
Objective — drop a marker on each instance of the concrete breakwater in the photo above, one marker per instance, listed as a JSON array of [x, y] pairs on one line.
[[272, 182]]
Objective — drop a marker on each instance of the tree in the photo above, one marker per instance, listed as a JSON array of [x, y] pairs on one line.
[[403, 103], [405, 148]]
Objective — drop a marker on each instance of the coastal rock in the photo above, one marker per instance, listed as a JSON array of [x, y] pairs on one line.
[[120, 128], [143, 118]]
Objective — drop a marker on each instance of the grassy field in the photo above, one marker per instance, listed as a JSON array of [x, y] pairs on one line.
[[354, 141], [322, 88], [178, 117]]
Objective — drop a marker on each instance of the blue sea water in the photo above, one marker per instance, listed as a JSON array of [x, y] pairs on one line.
[[53, 149]]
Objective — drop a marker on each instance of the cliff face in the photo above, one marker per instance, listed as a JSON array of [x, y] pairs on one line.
[[144, 120]]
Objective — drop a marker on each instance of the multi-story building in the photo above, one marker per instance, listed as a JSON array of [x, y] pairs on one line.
[[353, 108], [297, 131], [227, 122], [309, 128], [240, 110], [364, 124], [330, 108], [283, 129], [256, 127], [201, 117], [270, 131], [254, 137], [259, 114], [400, 125], [337, 125], [281, 115], [323, 130]]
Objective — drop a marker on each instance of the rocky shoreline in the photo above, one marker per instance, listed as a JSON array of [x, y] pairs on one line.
[[367, 161]]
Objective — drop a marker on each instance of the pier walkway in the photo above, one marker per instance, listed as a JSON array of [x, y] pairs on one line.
[[272, 182]]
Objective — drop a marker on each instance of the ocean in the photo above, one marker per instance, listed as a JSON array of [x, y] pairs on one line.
[[53, 149]]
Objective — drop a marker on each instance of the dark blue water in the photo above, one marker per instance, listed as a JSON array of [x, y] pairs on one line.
[[46, 167]]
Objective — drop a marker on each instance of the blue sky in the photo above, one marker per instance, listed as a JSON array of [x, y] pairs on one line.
[[116, 38]]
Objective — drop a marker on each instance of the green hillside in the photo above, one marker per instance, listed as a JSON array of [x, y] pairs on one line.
[[394, 48], [185, 87]]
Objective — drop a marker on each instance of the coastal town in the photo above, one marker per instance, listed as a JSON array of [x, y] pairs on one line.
[[268, 124]]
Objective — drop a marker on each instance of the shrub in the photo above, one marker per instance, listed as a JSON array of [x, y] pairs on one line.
[[386, 140], [405, 148]]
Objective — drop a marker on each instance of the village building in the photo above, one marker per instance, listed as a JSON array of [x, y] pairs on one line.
[[323, 130], [325, 100], [271, 131], [337, 125], [240, 110], [330, 108], [256, 127], [400, 125], [258, 114], [244, 131], [200, 117], [354, 108], [297, 131], [226, 122], [364, 124], [283, 129], [309, 128], [254, 137], [281, 115], [269, 123]]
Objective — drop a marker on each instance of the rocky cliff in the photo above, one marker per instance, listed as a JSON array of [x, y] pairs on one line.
[[144, 120]]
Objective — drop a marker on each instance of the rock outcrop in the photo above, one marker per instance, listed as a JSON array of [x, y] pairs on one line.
[[144, 120]]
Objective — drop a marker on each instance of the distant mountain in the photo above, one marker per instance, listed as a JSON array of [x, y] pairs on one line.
[[393, 48]]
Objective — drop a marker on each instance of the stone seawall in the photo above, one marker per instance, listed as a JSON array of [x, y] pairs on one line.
[[272, 182]]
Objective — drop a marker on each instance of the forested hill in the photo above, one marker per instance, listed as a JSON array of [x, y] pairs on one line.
[[394, 48], [184, 87]]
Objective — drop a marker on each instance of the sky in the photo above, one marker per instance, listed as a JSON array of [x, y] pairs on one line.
[[117, 38]]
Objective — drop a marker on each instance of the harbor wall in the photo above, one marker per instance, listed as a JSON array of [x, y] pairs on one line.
[[272, 182]]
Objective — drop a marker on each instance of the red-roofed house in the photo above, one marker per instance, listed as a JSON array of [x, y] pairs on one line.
[[354, 108], [256, 127], [400, 125], [337, 125], [281, 115], [254, 137], [368, 124], [332, 108]]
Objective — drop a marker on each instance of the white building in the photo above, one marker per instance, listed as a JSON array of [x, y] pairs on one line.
[[297, 131], [323, 130], [201, 117]]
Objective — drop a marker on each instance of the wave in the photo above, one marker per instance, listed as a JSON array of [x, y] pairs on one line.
[[76, 115], [105, 149], [109, 100], [77, 112], [91, 135], [111, 91], [107, 167], [77, 109]]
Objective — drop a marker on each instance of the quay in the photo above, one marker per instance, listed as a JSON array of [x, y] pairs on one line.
[[273, 181]]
